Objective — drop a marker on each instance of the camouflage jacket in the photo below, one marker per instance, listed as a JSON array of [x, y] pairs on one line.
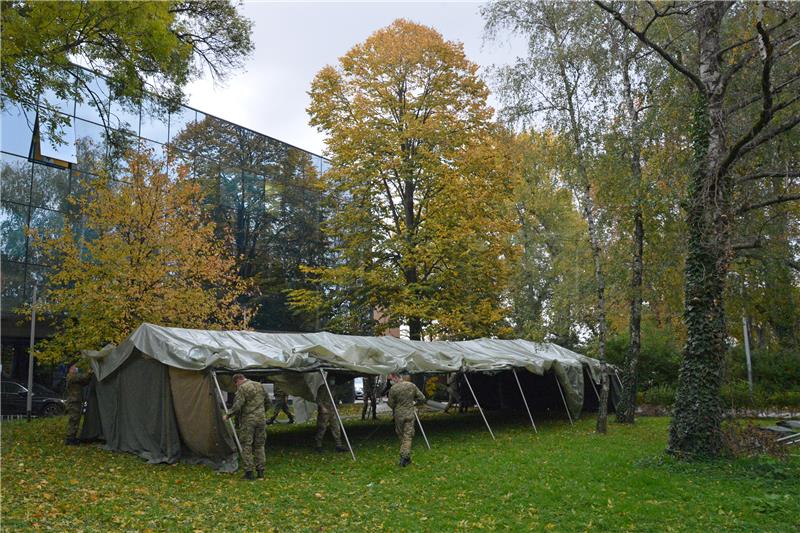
[[75, 384], [280, 394], [250, 401], [402, 397]]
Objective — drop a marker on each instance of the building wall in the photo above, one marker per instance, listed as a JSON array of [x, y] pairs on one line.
[[262, 188]]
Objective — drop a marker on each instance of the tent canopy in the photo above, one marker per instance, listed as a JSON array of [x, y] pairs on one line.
[[193, 349]]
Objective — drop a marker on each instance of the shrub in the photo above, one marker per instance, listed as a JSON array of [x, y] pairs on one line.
[[659, 395]]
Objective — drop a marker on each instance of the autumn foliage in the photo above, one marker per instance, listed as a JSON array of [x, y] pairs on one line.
[[139, 251]]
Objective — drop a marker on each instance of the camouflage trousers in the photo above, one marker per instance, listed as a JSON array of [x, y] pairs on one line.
[[74, 422], [326, 418], [281, 405], [404, 427], [453, 398], [252, 437]]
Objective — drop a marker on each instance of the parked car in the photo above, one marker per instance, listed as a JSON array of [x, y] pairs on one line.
[[15, 400], [358, 383]]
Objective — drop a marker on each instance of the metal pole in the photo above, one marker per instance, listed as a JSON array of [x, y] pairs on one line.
[[479, 406], [428, 444], [591, 380], [335, 410], [571, 423], [514, 370], [29, 403], [225, 408], [747, 355]]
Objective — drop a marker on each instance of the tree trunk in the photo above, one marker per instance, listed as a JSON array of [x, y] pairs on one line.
[[626, 411], [695, 430]]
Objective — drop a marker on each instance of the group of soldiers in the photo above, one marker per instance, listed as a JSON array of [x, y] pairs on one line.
[[251, 404]]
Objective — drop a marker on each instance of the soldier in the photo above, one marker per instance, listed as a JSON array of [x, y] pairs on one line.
[[402, 397], [281, 404], [76, 380], [326, 418], [370, 400], [249, 404], [453, 397]]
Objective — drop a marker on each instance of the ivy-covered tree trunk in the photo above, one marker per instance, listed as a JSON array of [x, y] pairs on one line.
[[697, 418]]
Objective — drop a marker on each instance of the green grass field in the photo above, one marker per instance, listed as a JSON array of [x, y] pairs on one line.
[[563, 479]]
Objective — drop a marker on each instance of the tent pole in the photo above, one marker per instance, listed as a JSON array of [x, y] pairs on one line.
[[479, 405], [514, 370], [571, 423], [336, 410], [428, 444], [591, 380], [225, 409]]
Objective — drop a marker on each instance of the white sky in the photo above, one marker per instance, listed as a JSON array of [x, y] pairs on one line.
[[294, 40]]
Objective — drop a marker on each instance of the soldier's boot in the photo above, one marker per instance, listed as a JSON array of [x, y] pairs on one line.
[[340, 448], [405, 461], [72, 441], [248, 474], [291, 419], [319, 449], [260, 473]]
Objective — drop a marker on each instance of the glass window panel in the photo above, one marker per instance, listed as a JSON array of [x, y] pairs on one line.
[[95, 104], [61, 147], [40, 276], [230, 187], [13, 220], [124, 117], [179, 120], [17, 129], [48, 224], [325, 165], [15, 179], [50, 187], [121, 147], [176, 159], [13, 284], [156, 150], [90, 146], [155, 120], [55, 102]]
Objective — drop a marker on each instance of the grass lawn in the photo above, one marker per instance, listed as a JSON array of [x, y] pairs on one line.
[[563, 479]]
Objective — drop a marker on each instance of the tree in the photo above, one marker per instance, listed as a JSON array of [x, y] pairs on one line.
[[742, 69], [156, 47], [420, 220], [143, 252], [558, 79]]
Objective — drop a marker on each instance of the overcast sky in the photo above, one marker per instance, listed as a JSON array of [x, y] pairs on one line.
[[294, 40]]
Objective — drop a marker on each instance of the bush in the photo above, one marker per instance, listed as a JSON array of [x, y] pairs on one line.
[[659, 359], [773, 370], [659, 395]]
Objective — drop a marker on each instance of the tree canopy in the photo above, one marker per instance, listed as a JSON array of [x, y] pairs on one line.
[[139, 46], [420, 186], [133, 252]]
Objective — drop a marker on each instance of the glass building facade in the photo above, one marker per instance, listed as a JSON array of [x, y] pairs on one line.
[[265, 191]]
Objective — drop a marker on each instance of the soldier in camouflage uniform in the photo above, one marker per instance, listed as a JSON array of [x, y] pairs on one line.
[[402, 397], [326, 418], [250, 403], [370, 400], [281, 404], [76, 380], [453, 397]]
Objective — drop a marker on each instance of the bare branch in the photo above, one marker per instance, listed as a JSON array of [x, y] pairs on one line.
[[766, 108], [781, 198], [677, 65], [769, 174]]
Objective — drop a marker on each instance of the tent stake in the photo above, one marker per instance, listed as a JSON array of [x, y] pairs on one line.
[[514, 370], [479, 406], [428, 444], [571, 423], [225, 409], [335, 410]]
